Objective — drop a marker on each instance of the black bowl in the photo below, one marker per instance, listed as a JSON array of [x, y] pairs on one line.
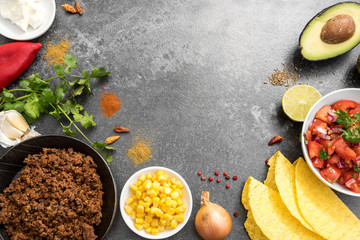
[[12, 162]]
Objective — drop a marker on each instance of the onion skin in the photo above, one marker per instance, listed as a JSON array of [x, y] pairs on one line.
[[212, 222]]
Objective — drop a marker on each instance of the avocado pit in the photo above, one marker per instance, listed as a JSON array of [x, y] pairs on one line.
[[338, 29]]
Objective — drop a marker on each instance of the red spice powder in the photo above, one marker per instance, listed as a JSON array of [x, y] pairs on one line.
[[110, 104]]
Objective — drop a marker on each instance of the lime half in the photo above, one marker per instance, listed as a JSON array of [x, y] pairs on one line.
[[298, 100]]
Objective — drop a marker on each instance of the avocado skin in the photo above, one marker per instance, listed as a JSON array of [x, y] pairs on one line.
[[319, 15]]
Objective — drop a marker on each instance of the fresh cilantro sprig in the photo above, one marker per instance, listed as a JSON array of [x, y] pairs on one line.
[[351, 133], [36, 96], [323, 154]]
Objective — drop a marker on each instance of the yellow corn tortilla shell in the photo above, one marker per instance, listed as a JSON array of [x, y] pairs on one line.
[[285, 183], [270, 178], [321, 208], [252, 229], [272, 216]]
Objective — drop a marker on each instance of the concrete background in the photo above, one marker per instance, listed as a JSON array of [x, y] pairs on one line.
[[190, 76]]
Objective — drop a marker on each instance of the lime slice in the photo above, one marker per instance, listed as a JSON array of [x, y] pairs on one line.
[[298, 100]]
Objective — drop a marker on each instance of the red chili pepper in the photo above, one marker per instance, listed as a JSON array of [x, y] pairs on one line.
[[15, 58]]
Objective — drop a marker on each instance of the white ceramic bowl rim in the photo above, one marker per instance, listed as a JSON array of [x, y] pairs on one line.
[[330, 98], [12, 31], [129, 222]]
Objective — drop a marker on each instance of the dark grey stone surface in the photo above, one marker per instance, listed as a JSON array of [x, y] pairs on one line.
[[190, 75]]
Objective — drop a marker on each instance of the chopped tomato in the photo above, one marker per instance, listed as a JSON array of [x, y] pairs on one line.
[[308, 135], [318, 123], [314, 149], [345, 105], [322, 114], [350, 174], [318, 163], [328, 145], [355, 110], [343, 149], [334, 159], [331, 174], [357, 151]]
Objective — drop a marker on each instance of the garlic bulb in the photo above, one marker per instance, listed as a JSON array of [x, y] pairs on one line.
[[13, 128]]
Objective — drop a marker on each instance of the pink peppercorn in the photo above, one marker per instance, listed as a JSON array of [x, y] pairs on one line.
[[203, 178], [227, 186], [234, 178], [211, 178], [236, 214], [199, 173], [217, 180], [225, 173], [217, 173]]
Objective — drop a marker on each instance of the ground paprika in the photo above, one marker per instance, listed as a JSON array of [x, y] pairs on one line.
[[15, 58], [110, 104]]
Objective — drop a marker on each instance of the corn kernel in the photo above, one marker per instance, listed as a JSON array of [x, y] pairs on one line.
[[162, 222], [173, 187], [134, 204], [155, 222], [162, 178], [161, 228], [128, 209], [167, 217], [154, 231], [139, 220], [151, 193], [180, 192], [180, 209], [160, 172], [147, 209], [147, 225], [140, 209], [138, 183], [173, 224], [164, 208], [153, 210], [147, 185], [142, 177], [180, 202], [155, 201], [174, 195], [148, 199], [171, 211], [149, 176], [161, 189], [179, 218], [173, 180], [138, 226], [140, 215], [133, 215], [159, 213], [138, 194], [129, 201], [134, 188], [148, 218], [179, 184], [167, 190], [144, 204], [148, 230], [166, 185]]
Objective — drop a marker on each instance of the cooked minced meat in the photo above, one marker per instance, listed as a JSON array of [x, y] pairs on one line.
[[58, 195]]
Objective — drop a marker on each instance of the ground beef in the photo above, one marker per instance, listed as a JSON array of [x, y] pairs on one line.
[[58, 195]]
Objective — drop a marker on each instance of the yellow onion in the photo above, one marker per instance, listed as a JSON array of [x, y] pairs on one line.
[[212, 222]]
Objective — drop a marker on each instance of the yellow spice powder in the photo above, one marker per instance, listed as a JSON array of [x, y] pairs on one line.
[[55, 52], [140, 151]]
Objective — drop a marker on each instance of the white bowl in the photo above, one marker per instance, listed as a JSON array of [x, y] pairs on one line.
[[329, 99], [12, 31], [125, 194]]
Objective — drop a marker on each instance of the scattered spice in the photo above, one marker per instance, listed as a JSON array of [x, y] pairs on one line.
[[69, 8], [276, 139], [227, 177], [283, 77], [111, 139], [55, 52], [78, 8], [236, 214], [199, 173], [217, 180], [120, 129], [110, 104], [217, 173], [140, 151], [234, 178], [227, 186], [203, 178], [211, 178]]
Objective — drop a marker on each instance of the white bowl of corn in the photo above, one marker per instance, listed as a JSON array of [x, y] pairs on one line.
[[156, 202]]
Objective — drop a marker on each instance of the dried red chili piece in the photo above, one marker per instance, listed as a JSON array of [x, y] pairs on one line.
[[276, 139]]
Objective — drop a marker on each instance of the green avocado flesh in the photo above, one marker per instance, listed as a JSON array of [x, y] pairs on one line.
[[311, 45]]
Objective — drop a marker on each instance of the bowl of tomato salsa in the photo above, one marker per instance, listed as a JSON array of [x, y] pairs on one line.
[[330, 140]]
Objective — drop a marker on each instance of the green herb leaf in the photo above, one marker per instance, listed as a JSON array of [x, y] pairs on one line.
[[87, 121], [98, 72], [60, 90], [356, 169], [323, 154], [24, 84], [78, 91], [35, 82], [17, 106], [71, 106], [67, 130], [59, 70], [343, 118], [32, 106], [351, 135], [70, 61], [85, 73], [6, 95], [356, 117]]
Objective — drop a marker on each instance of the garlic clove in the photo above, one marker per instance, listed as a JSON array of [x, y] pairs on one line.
[[10, 131], [6, 142], [16, 120]]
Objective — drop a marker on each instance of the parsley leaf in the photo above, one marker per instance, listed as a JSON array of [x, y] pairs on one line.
[[59, 70], [323, 154]]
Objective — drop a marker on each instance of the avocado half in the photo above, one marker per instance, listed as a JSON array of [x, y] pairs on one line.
[[314, 48]]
